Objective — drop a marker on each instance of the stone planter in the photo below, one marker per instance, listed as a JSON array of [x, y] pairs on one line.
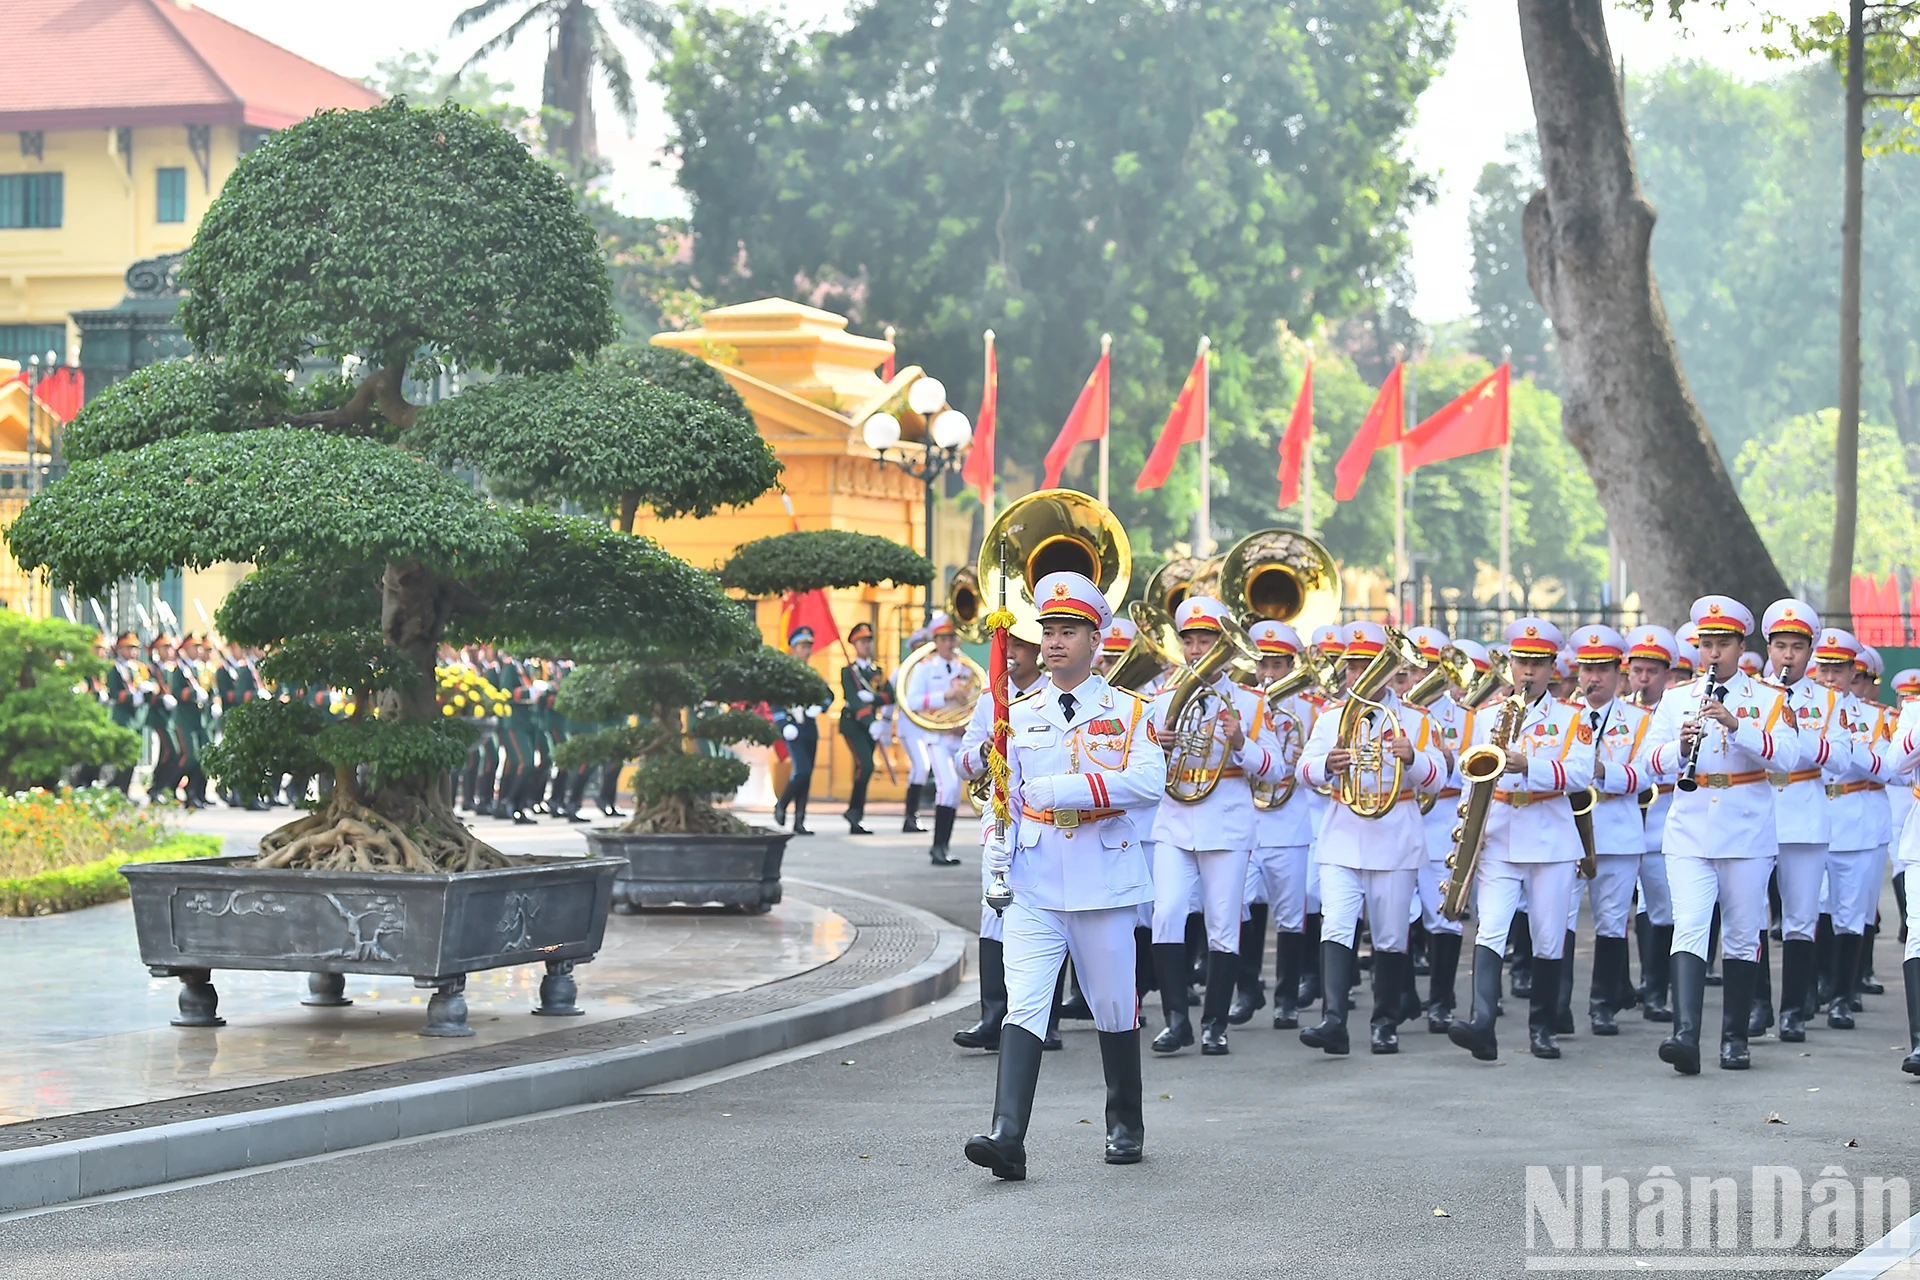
[[196, 916], [738, 871]]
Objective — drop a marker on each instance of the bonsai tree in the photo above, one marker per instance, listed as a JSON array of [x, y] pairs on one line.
[[397, 244], [49, 716]]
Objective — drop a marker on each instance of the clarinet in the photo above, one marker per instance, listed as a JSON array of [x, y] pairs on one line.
[[1689, 780]]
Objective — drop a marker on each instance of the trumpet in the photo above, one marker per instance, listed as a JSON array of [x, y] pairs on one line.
[[1368, 786], [1192, 772]]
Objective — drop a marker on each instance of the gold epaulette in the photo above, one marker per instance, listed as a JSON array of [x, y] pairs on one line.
[[1034, 692]]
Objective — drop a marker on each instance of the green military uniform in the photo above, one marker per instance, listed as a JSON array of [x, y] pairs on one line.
[[126, 702], [234, 684], [864, 691], [189, 728]]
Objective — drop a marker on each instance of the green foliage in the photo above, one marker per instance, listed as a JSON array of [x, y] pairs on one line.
[[276, 601], [726, 726], [615, 690], [672, 370], [344, 658], [659, 778], [807, 561], [91, 883], [276, 494], [46, 724], [263, 740], [614, 745], [171, 399], [1150, 170], [1506, 315], [765, 675], [601, 437], [1783, 485], [582, 588], [45, 830], [396, 751], [396, 234]]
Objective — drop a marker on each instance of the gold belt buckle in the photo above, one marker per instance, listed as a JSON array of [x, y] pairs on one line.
[[1066, 818], [1520, 799], [1835, 790], [1720, 781], [1778, 779]]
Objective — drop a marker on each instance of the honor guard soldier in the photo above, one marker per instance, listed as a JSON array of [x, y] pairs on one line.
[[936, 681], [1115, 641], [1449, 720], [1205, 839], [1025, 677], [1371, 864], [1531, 844], [1719, 737], [1650, 656], [1800, 806], [1853, 855], [1082, 761], [800, 729], [1619, 731], [129, 684], [1283, 835], [169, 763], [864, 694]]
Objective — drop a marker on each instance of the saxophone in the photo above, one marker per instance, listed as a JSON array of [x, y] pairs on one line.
[[1482, 767]]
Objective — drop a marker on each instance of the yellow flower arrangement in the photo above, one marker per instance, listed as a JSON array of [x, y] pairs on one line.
[[465, 692]]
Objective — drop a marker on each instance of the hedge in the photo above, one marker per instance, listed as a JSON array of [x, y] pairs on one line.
[[91, 883]]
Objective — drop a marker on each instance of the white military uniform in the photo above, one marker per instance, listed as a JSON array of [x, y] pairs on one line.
[[933, 753], [1801, 810], [1619, 731], [979, 733], [1721, 840], [1076, 887], [1904, 757], [1277, 874], [1856, 853], [1449, 721], [1532, 846]]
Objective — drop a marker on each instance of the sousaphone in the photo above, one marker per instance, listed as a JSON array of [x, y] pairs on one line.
[[1054, 531]]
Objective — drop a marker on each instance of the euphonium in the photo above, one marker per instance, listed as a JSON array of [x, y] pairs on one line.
[[1155, 647], [1191, 739], [1311, 670], [1370, 786], [1482, 767], [1452, 669]]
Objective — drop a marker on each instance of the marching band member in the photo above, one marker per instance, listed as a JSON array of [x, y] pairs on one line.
[[1904, 757], [937, 681], [1370, 863], [1619, 731], [1871, 667], [1115, 641], [1531, 843], [1082, 760], [1852, 854], [1332, 645], [1205, 843], [1651, 651], [1727, 731], [919, 766], [1801, 809], [864, 694], [1282, 833], [1449, 720]]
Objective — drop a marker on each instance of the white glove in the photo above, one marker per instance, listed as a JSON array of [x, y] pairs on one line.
[[148, 686], [791, 732], [998, 852], [866, 695], [540, 688], [169, 702], [876, 731], [1037, 793], [140, 696]]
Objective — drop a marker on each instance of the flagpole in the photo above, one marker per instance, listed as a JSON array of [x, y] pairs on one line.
[[1203, 518], [1506, 521], [1106, 346], [1409, 398], [987, 377]]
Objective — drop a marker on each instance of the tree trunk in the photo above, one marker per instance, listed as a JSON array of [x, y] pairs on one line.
[[1846, 437], [569, 88], [1668, 497]]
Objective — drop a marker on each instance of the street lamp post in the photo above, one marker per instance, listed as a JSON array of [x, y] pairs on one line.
[[948, 435]]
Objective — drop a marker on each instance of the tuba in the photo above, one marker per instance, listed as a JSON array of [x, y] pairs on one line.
[[1482, 767], [1192, 772], [954, 716], [965, 607], [1312, 671], [1053, 531], [1155, 647], [1281, 575], [1171, 583], [1371, 784]]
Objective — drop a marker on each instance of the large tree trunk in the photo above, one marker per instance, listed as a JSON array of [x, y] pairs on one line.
[[569, 87], [1669, 500], [1846, 437]]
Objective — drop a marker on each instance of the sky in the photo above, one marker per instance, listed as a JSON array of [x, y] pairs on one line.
[[1464, 120]]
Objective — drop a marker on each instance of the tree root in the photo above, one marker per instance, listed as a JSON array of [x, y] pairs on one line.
[[396, 831], [678, 815]]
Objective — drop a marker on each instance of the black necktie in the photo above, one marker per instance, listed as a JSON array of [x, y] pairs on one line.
[[1594, 716], [1066, 706]]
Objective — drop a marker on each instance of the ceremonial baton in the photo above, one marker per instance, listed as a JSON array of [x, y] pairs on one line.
[[999, 893]]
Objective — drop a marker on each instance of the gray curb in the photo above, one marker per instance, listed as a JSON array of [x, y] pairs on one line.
[[35, 1177]]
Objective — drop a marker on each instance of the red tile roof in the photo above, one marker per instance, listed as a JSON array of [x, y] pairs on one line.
[[123, 63]]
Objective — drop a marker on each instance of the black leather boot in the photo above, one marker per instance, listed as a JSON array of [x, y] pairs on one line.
[[1475, 1033], [1392, 975], [1520, 939], [1308, 993], [1446, 967], [1336, 963], [1846, 963], [1910, 973], [1286, 1016], [1712, 979], [1004, 1149], [1563, 1002], [1126, 1120], [1796, 970], [1656, 1005], [1736, 1019], [1625, 995], [943, 817], [1682, 1048], [1822, 961], [1543, 1008], [1250, 989], [1760, 1013], [912, 822], [1144, 978], [1867, 984], [1643, 945], [985, 1034], [1222, 968], [1170, 962], [1600, 992], [1053, 1040]]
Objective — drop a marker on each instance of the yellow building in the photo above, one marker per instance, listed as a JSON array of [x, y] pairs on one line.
[[810, 385], [125, 131]]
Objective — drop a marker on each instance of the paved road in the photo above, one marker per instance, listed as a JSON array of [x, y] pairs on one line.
[[1274, 1161]]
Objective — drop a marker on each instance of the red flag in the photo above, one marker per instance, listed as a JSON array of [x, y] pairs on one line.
[[1087, 421], [1861, 601], [1380, 428], [1293, 445], [808, 609], [1479, 419], [1185, 425], [1895, 629], [977, 468]]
